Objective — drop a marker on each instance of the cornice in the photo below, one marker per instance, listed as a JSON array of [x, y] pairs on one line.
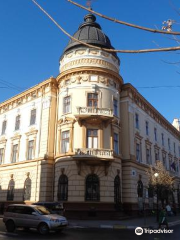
[[142, 103], [31, 94], [90, 70]]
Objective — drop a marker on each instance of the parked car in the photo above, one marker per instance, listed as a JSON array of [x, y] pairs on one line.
[[53, 207], [32, 216]]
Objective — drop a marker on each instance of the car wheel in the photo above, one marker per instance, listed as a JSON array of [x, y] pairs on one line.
[[10, 226], [43, 229]]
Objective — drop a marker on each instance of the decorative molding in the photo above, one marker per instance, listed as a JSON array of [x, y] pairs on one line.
[[16, 137], [3, 140], [66, 120], [31, 94], [147, 141], [31, 132], [81, 78], [84, 72], [89, 53], [138, 136], [88, 62]]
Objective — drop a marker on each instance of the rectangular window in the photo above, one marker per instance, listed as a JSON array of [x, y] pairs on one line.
[[14, 153], [1, 155], [67, 104], [156, 155], [155, 134], [164, 161], [115, 107], [137, 120], [65, 142], [169, 144], [17, 123], [4, 124], [147, 128], [30, 150], [162, 137], [92, 100], [33, 117], [138, 152], [174, 148], [148, 156], [92, 138], [116, 143]]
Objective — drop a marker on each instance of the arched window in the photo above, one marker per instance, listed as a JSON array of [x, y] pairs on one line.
[[27, 189], [117, 190], [92, 188], [10, 192], [62, 193]]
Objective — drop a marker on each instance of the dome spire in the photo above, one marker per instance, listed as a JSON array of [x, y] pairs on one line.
[[90, 20]]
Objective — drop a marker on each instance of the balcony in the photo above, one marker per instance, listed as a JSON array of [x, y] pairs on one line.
[[93, 114], [94, 153], [86, 111]]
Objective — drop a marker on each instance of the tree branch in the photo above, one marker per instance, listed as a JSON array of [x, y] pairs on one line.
[[122, 22], [105, 49]]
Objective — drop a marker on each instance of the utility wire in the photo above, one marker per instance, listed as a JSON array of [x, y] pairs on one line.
[[105, 49], [10, 85]]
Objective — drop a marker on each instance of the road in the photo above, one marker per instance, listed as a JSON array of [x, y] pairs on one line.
[[89, 234]]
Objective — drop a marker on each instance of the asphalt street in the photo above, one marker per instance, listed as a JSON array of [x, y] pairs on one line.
[[95, 234]]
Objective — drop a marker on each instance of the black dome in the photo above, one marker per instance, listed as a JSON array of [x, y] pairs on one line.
[[90, 32]]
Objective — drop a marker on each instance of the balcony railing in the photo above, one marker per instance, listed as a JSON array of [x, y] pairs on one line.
[[96, 111], [91, 152]]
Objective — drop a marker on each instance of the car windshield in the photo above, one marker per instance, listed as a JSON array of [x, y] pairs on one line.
[[42, 210]]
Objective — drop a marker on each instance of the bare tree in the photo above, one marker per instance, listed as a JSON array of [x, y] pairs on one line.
[[161, 182]]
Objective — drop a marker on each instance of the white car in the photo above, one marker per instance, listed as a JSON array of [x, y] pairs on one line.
[[32, 216]]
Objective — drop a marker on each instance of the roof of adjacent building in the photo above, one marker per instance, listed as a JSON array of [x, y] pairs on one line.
[[90, 32]]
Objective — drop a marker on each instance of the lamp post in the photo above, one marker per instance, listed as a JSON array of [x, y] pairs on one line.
[[157, 189]]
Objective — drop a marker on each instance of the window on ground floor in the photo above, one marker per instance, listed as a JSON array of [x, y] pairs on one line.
[[62, 193], [117, 189], [92, 188]]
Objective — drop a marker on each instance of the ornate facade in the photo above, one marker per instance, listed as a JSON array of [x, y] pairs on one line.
[[84, 138]]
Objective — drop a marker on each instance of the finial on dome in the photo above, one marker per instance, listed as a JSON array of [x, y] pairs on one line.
[[89, 18]]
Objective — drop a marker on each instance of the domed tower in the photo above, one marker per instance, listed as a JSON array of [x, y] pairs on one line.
[[88, 154]]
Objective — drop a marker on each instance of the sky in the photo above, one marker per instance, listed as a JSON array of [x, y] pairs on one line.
[[31, 45]]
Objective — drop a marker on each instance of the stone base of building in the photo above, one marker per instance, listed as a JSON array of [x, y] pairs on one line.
[[89, 210]]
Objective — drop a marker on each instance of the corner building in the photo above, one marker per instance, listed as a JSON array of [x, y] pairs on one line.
[[84, 138]]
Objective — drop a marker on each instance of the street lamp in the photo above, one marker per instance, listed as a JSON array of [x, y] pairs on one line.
[[157, 207]]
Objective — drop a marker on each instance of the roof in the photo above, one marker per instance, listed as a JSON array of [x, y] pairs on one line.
[[90, 32]]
